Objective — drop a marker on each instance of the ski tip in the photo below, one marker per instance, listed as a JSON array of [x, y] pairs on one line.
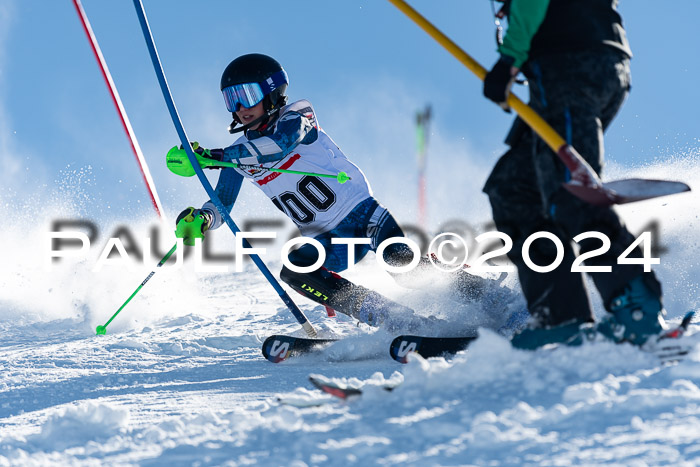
[[279, 347], [687, 319], [276, 349], [678, 331], [427, 347], [402, 346]]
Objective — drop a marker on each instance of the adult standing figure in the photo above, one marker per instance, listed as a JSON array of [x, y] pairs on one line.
[[576, 57]]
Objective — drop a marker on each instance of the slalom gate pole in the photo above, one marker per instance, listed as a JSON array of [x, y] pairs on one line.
[[298, 314], [146, 174], [584, 181], [102, 329]]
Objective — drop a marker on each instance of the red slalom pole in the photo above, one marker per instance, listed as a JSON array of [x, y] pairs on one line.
[[150, 186]]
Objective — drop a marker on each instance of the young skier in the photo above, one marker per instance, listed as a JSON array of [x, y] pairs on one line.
[[576, 58], [287, 136]]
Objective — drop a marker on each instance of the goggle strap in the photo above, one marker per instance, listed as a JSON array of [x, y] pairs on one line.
[[275, 80]]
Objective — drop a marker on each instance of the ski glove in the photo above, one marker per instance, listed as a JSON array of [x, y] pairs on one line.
[[192, 223], [499, 80], [213, 154], [178, 162]]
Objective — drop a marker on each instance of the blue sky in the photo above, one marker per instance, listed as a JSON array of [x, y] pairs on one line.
[[365, 66]]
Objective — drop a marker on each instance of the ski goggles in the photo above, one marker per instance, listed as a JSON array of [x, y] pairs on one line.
[[251, 94]]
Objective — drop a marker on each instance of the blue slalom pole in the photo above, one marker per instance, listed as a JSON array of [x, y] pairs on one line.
[[298, 314]]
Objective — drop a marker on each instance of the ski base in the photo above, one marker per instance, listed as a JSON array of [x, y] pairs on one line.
[[277, 348], [427, 347]]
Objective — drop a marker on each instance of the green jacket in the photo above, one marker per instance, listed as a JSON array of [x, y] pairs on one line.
[[540, 27]]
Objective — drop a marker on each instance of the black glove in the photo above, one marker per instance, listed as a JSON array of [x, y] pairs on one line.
[[214, 154], [499, 80], [192, 223]]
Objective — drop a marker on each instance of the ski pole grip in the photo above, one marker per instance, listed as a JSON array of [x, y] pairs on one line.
[[178, 162]]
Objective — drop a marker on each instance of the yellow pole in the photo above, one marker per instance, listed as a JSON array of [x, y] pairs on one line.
[[537, 123], [584, 182]]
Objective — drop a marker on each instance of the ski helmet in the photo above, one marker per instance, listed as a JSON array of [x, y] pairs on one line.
[[252, 78]]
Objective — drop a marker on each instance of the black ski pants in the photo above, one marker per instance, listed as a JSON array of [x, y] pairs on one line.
[[579, 94]]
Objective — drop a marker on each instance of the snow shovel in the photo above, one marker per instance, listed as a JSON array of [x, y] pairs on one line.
[[584, 182]]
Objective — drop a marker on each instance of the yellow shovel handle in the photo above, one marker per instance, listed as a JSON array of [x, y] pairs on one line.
[[537, 123]]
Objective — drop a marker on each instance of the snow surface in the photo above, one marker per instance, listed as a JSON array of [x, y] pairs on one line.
[[179, 378]]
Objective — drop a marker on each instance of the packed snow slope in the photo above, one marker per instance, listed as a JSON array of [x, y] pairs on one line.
[[179, 378]]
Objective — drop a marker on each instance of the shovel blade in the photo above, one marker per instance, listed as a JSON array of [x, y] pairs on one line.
[[625, 191]]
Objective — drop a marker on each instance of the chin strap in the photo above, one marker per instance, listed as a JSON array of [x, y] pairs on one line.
[[232, 127]]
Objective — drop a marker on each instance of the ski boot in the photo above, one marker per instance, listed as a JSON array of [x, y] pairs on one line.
[[635, 315], [572, 333]]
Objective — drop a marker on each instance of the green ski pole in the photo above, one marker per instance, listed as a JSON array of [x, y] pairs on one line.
[[102, 329], [179, 164]]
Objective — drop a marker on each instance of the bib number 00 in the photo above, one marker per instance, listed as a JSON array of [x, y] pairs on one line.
[[313, 195]]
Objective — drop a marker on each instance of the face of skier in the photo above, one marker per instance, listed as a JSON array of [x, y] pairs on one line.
[[248, 115]]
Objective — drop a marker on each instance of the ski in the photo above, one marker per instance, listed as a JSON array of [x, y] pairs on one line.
[[666, 349], [681, 329], [427, 346], [340, 390], [278, 347]]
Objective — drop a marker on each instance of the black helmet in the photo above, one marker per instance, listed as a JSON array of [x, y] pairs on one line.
[[268, 79]]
